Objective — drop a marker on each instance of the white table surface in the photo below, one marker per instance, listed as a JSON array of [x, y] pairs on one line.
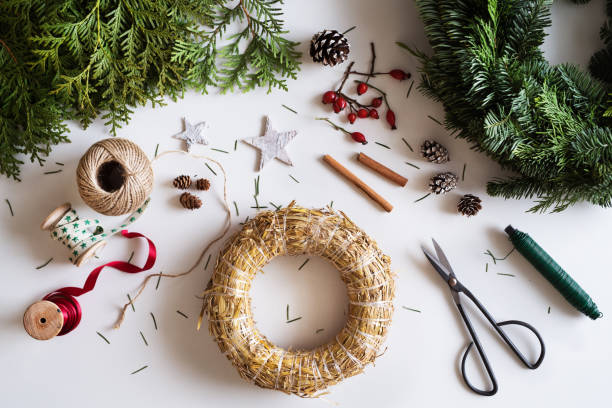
[[420, 366]]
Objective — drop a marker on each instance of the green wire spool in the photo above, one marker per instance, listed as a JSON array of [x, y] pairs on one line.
[[571, 291]]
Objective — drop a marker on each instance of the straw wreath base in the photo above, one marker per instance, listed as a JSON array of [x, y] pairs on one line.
[[296, 231]]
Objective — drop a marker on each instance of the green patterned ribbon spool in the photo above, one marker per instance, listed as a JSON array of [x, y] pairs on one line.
[[568, 287], [76, 233]]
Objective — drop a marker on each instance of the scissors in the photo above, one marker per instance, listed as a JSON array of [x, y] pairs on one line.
[[442, 266]]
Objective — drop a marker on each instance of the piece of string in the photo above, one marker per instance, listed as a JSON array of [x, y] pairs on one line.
[[75, 232], [65, 298], [220, 236]]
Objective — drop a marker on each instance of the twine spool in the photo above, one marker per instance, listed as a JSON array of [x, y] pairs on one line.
[[296, 231], [114, 176]]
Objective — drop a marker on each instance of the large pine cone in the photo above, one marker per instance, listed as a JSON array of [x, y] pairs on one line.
[[443, 183], [469, 205], [182, 182], [189, 201], [329, 47], [434, 152]]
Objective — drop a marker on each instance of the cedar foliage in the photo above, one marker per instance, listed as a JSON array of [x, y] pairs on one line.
[[68, 59], [544, 122]]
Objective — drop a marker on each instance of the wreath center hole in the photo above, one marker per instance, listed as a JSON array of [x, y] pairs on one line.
[[111, 176], [316, 297]]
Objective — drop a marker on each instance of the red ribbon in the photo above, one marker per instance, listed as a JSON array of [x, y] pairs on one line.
[[64, 298]]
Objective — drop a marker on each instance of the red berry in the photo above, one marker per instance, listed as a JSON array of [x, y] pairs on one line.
[[336, 108], [362, 88], [376, 102], [352, 117], [399, 74], [359, 137], [374, 114], [391, 119], [362, 113], [329, 97], [340, 103]]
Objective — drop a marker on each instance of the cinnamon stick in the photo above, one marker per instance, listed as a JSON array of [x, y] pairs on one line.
[[358, 182], [382, 169]]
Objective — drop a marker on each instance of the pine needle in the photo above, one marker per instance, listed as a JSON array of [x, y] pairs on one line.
[[383, 145], [413, 165], [487, 267], [302, 265], [103, 338], [59, 164], [235, 144], [495, 259], [131, 256], [411, 309], [277, 207], [139, 370], [288, 108], [331, 205], [158, 280], [154, 321], [422, 198], [407, 144], [210, 168], [256, 181], [294, 179], [207, 261], [349, 30], [463, 174], [143, 339], [45, 264], [294, 320], [52, 172], [236, 207], [287, 311], [319, 331], [219, 150], [9, 206], [410, 89], [182, 314], [156, 149], [548, 309], [435, 120], [131, 303], [506, 274]]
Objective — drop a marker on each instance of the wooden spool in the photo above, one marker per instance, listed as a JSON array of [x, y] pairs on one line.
[[43, 320], [51, 221]]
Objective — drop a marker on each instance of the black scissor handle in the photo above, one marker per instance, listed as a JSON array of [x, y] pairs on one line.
[[516, 351]]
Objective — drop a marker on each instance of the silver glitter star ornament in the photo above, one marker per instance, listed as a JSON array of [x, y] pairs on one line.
[[192, 134], [272, 144]]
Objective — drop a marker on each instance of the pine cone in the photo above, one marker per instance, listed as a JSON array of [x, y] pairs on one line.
[[189, 201], [182, 182], [203, 184], [469, 205], [329, 47], [443, 183], [434, 152]]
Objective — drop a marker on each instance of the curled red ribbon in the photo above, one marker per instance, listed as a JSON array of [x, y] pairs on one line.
[[65, 299]]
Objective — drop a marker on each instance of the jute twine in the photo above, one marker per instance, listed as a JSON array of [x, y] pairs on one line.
[[130, 172], [296, 231]]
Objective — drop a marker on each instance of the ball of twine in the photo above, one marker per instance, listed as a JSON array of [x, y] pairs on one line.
[[114, 176], [296, 231]]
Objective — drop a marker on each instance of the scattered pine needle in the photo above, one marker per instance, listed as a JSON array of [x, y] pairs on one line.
[[413, 165], [235, 144], [143, 339], [256, 181], [293, 320], [487, 267], [245, 220], [210, 168], [410, 89], [435, 120], [495, 259], [158, 280], [288, 108], [548, 309], [182, 314], [52, 172], [278, 207], [349, 30], [411, 309], [156, 149], [59, 164], [404, 46], [219, 150], [9, 206], [236, 207], [207, 261], [319, 331], [154, 321], [45, 264], [463, 174], [408, 144], [506, 274], [294, 179], [302, 265], [422, 198], [331, 205], [103, 338], [131, 256], [383, 145], [139, 370], [131, 303], [287, 311]]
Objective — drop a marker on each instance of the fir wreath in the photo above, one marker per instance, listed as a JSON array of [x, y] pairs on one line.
[[547, 123], [68, 59]]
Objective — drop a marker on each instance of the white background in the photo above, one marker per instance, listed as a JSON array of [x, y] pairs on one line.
[[420, 366]]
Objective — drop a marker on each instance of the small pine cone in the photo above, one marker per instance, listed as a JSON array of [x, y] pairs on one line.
[[443, 183], [190, 202], [434, 152], [202, 184], [329, 47], [182, 182], [469, 205]]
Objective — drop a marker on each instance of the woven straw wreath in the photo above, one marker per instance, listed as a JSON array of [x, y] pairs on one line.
[[296, 231]]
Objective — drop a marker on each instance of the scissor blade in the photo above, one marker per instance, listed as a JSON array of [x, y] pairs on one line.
[[442, 258], [441, 269]]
